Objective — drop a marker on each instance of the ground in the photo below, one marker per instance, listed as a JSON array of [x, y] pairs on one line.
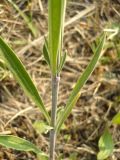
[[100, 97]]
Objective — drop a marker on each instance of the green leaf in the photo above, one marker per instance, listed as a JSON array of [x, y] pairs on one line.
[[106, 146], [81, 81], [42, 157], [56, 25], [19, 144], [95, 44], [62, 62], [26, 19], [46, 52], [116, 119], [18, 70], [60, 111], [73, 156], [41, 127]]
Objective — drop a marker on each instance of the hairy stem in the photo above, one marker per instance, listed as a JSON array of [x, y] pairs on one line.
[[55, 86]]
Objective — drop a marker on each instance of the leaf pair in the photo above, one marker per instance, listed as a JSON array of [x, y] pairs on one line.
[[18, 70]]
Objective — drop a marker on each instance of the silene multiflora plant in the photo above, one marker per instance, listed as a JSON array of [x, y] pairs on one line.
[[55, 58]]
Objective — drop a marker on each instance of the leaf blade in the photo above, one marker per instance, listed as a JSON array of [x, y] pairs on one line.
[[106, 145], [18, 143], [55, 25], [81, 81], [62, 62], [116, 119], [41, 127], [46, 52], [20, 73]]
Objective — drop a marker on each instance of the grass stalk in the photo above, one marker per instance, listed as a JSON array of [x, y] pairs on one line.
[[55, 88]]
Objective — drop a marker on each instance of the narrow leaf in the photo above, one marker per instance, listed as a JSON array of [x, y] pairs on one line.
[[26, 19], [56, 25], [62, 62], [46, 52], [19, 144], [81, 81], [18, 70], [116, 119], [106, 146]]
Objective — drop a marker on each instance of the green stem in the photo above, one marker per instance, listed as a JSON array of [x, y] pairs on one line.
[[55, 88]]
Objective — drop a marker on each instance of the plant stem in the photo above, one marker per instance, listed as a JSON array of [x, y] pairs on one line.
[[55, 88]]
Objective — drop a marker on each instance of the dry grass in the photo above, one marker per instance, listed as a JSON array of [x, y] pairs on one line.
[[99, 100]]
